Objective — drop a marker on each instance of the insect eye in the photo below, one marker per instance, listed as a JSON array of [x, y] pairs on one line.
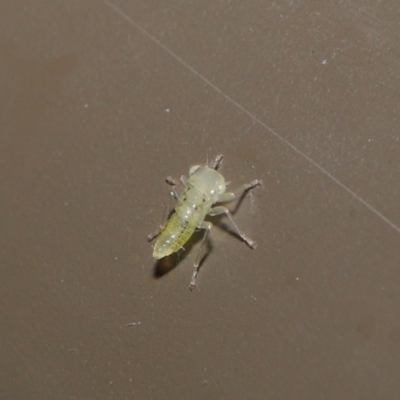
[[193, 169]]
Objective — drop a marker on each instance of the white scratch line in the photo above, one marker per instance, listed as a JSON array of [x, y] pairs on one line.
[[240, 107]]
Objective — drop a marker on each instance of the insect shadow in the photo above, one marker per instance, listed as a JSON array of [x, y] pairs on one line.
[[165, 265]]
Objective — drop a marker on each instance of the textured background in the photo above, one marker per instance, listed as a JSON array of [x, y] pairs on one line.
[[101, 100]]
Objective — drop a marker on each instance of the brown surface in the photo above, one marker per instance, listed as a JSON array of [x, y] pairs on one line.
[[100, 101]]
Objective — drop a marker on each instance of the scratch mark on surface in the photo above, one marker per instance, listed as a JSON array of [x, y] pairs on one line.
[[253, 117], [376, 30]]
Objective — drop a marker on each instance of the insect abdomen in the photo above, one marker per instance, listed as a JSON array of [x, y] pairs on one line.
[[175, 234]]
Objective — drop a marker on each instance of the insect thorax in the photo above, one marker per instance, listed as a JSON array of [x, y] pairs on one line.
[[193, 205], [207, 181]]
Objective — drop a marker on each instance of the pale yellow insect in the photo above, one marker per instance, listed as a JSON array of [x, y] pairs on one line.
[[204, 187]]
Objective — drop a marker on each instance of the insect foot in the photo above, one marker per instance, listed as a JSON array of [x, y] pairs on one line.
[[249, 242]]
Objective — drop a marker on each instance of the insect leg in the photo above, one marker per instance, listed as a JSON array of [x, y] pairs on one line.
[[223, 210], [154, 234], [207, 226], [225, 197], [171, 182], [217, 161], [183, 179]]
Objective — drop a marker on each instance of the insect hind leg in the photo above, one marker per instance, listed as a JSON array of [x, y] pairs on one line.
[[153, 235], [171, 181], [207, 226]]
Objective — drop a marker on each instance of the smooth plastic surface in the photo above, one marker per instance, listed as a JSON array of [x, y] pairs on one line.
[[101, 100]]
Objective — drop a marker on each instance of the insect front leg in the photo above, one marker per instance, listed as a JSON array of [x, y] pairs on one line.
[[171, 182], [217, 161], [223, 210], [226, 197], [183, 179], [207, 226]]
